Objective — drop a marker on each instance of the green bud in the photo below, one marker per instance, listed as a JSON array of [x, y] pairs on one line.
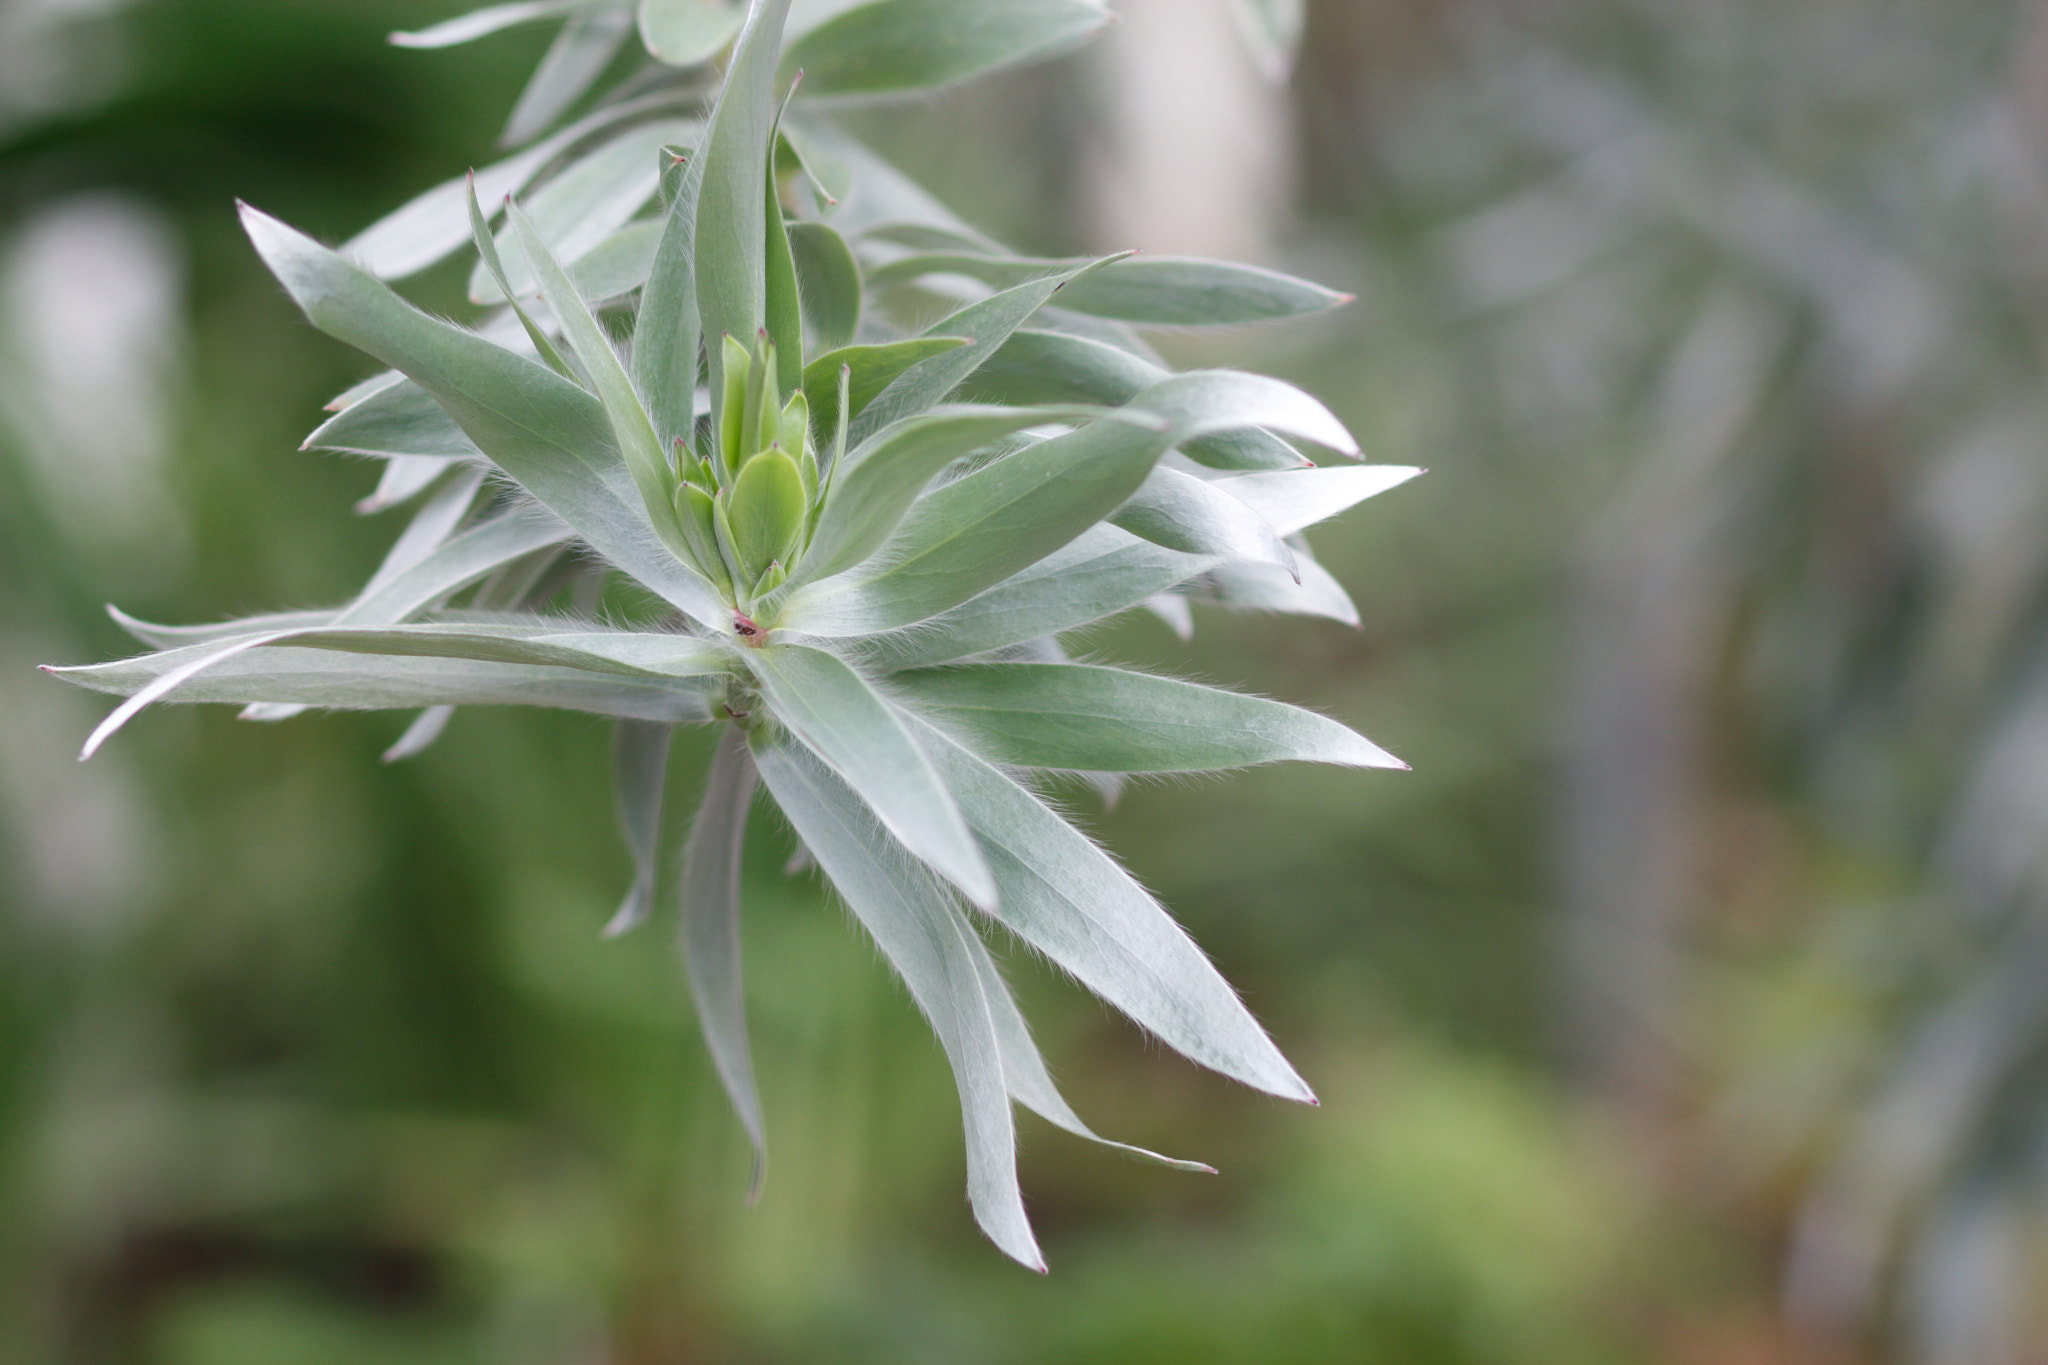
[[732, 415], [753, 435], [700, 532], [767, 511], [795, 423], [770, 581]]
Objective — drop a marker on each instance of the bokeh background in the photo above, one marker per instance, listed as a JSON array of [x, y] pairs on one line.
[[1687, 1003]]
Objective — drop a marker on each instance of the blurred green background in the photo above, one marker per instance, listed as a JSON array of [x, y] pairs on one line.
[[1687, 1003]]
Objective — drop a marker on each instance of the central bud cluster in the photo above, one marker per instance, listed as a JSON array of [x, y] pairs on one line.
[[747, 511]]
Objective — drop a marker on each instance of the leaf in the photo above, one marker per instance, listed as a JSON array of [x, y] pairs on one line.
[[837, 715], [1102, 572], [1024, 1073], [1059, 367], [1083, 716], [464, 28], [665, 331], [827, 173], [1184, 291], [1259, 587], [1189, 514], [327, 678], [781, 308], [711, 931], [572, 64], [579, 209], [429, 529], [978, 530], [1069, 900], [872, 369], [618, 265], [687, 32], [830, 280], [548, 434], [404, 478], [639, 773], [985, 325], [919, 929], [882, 477], [731, 233], [1297, 499], [426, 727], [400, 419], [897, 45], [1200, 402], [631, 427]]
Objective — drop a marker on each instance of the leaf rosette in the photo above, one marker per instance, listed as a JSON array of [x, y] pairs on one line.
[[866, 538]]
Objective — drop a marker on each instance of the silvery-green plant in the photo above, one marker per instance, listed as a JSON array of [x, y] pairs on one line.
[[700, 373]]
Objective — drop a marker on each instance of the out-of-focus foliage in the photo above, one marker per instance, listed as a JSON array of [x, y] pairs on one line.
[[1713, 628]]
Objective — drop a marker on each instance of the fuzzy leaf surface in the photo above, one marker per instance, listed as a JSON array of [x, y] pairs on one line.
[[397, 420], [897, 45], [836, 714], [1068, 899], [572, 64], [831, 284], [731, 232], [1082, 716], [711, 930], [639, 773], [917, 926], [884, 475], [547, 433], [1104, 571], [687, 32], [1192, 515]]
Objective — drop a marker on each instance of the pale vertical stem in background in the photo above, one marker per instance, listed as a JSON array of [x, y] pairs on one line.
[[1649, 596], [1198, 155]]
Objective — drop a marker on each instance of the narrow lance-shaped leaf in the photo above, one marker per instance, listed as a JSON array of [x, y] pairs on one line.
[[404, 478], [829, 277], [429, 226], [579, 208], [545, 432], [428, 726], [1036, 366], [639, 773], [1082, 716], [1294, 500], [480, 23], [1103, 571], [896, 45], [1069, 900], [986, 325], [711, 931], [630, 425], [578, 56], [918, 928], [1024, 1073], [1189, 514], [400, 420], [687, 32], [837, 715], [782, 312], [489, 260], [731, 234], [665, 332], [1259, 587], [868, 371], [883, 477], [975, 532], [266, 669]]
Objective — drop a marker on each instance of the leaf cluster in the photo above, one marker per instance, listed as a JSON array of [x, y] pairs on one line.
[[694, 372]]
